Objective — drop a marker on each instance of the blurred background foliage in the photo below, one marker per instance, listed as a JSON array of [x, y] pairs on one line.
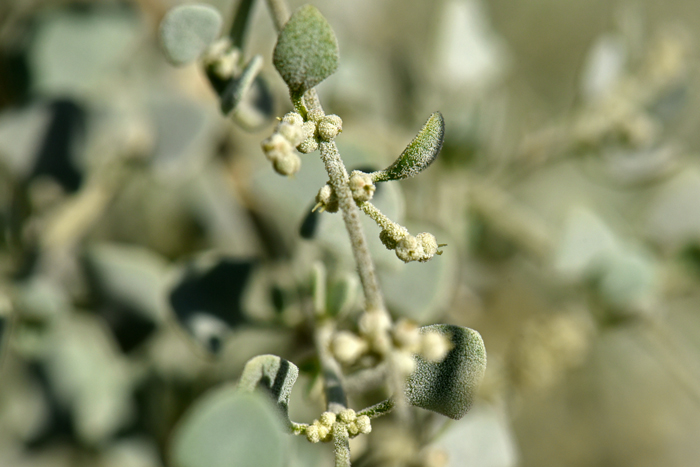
[[148, 250]]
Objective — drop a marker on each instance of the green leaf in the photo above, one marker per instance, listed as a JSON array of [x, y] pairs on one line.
[[419, 154], [448, 387], [272, 373], [307, 50], [229, 428], [186, 31]]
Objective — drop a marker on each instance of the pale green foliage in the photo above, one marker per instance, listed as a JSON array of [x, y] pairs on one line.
[[307, 50], [419, 154], [186, 31], [449, 387], [273, 374], [239, 87], [228, 428]]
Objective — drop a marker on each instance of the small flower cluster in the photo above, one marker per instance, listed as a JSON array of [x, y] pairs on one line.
[[222, 58], [293, 132], [408, 248], [321, 429], [401, 341]]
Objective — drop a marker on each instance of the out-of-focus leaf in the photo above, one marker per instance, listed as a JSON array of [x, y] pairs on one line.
[[208, 299], [273, 374], [586, 241], [257, 107], [5, 315], [307, 50], [419, 154], [629, 279], [449, 387], [187, 30], [229, 428], [484, 438], [240, 86]]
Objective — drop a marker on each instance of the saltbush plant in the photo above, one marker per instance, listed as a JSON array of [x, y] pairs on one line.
[[437, 367]]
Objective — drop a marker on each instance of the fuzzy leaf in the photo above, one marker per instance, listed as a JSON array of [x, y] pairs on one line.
[[307, 50], [448, 387], [272, 373], [229, 428], [419, 154], [186, 31]]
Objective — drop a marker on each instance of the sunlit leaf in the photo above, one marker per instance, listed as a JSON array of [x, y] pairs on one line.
[[187, 30], [307, 50], [419, 154], [227, 428]]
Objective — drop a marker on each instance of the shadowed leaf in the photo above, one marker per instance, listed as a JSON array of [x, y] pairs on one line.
[[448, 387], [276, 375], [419, 154], [307, 50]]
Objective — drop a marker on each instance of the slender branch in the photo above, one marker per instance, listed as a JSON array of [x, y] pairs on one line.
[[336, 399], [280, 13], [351, 215], [377, 410], [341, 445]]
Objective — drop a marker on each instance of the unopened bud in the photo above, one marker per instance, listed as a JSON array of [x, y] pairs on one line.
[[347, 416], [315, 115], [364, 424], [292, 132], [347, 347], [288, 165], [329, 127], [361, 186], [326, 199], [277, 147], [327, 419], [312, 434], [434, 346]]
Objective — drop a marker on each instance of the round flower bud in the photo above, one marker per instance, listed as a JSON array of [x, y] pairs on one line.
[[291, 132], [312, 434], [387, 239], [404, 363], [293, 118], [323, 431], [434, 346], [327, 419], [406, 336], [361, 186], [347, 416], [308, 146], [329, 127], [409, 249], [327, 199], [315, 115], [277, 147], [353, 429], [347, 347], [429, 244], [309, 129], [288, 165], [364, 424], [374, 322]]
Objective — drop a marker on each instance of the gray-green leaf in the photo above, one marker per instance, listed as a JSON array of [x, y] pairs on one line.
[[307, 50], [419, 154], [229, 428], [448, 387], [239, 87], [272, 373], [187, 30]]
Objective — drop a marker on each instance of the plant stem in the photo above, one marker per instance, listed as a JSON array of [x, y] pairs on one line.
[[280, 13], [336, 400], [341, 445], [377, 410], [351, 215]]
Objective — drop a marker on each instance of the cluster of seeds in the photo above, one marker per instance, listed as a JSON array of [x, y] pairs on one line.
[[321, 429]]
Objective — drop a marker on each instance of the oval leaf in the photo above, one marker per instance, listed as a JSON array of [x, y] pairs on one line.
[[448, 387], [419, 154], [307, 50], [186, 31], [272, 373], [229, 428]]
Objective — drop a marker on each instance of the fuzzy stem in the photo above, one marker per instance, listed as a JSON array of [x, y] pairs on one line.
[[377, 216], [341, 445], [338, 176], [377, 410], [280, 13]]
